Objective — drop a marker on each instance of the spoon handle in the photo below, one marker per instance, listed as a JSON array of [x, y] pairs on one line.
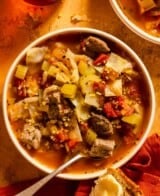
[[36, 186]]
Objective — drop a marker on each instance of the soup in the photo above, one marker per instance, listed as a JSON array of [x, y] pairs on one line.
[[77, 93], [145, 14]]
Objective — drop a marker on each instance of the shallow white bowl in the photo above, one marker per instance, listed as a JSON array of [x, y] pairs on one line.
[[123, 46], [131, 25]]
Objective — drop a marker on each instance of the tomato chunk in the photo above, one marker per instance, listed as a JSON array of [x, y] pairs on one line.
[[101, 59]]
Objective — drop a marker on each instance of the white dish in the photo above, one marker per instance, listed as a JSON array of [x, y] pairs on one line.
[[135, 58]]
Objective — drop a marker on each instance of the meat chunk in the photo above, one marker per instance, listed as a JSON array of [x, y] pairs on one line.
[[92, 46], [102, 148], [101, 125], [30, 136]]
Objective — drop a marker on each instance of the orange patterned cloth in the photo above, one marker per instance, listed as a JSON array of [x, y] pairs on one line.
[[144, 169]]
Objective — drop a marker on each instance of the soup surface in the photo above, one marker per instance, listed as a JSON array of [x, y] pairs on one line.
[[145, 14], [77, 93]]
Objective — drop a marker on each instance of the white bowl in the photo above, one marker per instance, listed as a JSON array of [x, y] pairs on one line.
[[149, 86], [131, 25]]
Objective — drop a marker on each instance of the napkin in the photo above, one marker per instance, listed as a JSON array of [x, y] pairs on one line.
[[143, 169]]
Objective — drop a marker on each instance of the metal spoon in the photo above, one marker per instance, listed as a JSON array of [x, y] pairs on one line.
[[102, 152], [36, 186]]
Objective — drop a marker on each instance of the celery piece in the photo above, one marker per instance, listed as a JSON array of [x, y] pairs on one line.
[[90, 136], [21, 71], [45, 66], [69, 90], [82, 66], [52, 71], [133, 119], [85, 69]]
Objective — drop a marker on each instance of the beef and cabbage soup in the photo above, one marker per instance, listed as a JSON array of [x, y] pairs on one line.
[[144, 13], [77, 93]]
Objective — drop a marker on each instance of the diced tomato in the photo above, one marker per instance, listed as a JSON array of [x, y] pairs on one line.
[[120, 101], [62, 137], [109, 110], [117, 107], [72, 143], [99, 87], [21, 88], [101, 59]]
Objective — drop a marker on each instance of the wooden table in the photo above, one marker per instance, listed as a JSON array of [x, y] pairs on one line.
[[21, 23]]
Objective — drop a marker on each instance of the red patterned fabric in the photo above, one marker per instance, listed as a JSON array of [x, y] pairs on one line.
[[144, 168]]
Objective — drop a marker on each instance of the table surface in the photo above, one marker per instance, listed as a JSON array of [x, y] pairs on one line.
[[21, 23]]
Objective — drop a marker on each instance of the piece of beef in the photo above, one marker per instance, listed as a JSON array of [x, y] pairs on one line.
[[101, 125], [102, 148], [30, 136], [92, 46]]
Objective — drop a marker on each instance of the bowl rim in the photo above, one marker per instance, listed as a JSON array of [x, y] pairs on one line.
[[131, 25], [23, 152]]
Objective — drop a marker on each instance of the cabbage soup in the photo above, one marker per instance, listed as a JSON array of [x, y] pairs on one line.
[[77, 93]]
